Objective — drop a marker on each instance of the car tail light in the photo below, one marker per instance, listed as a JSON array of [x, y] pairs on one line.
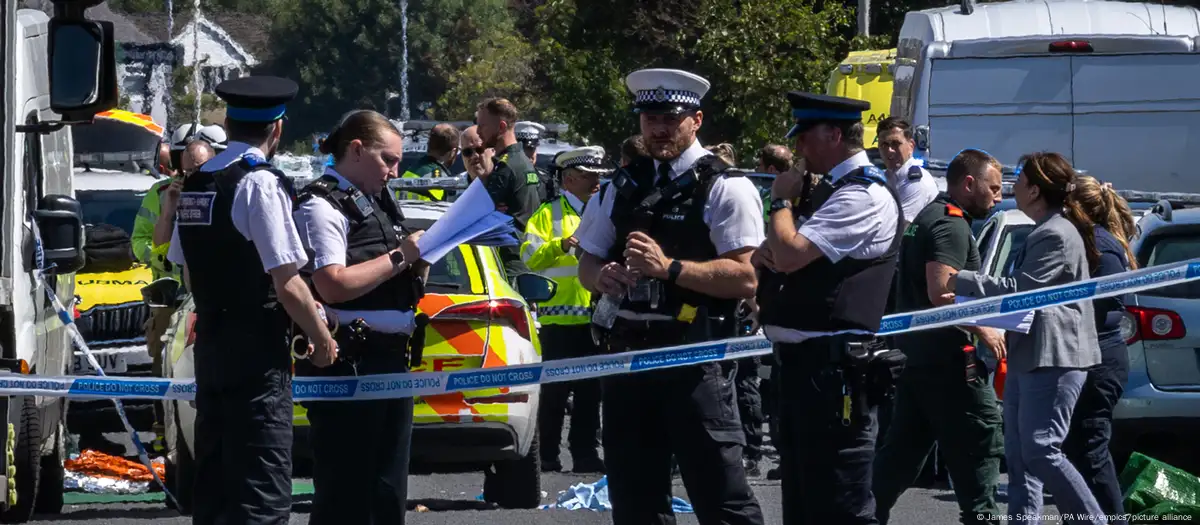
[[1152, 324], [1071, 46], [508, 309]]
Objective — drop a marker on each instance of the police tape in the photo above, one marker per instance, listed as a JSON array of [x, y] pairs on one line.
[[525, 376]]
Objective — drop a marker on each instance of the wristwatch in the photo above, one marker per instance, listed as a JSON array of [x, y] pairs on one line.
[[779, 204], [673, 271], [397, 258]]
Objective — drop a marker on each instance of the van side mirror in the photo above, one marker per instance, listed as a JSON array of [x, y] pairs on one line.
[[60, 223], [83, 68], [535, 288]]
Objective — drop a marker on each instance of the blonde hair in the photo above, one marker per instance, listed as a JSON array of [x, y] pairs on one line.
[[1101, 204]]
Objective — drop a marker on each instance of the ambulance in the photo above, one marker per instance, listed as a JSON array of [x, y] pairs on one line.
[[867, 76]]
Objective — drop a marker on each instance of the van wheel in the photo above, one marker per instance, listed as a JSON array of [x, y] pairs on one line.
[[27, 461], [516, 484], [181, 473], [50, 490]]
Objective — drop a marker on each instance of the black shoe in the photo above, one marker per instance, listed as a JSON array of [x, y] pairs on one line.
[[751, 466], [551, 466], [589, 465], [774, 475]]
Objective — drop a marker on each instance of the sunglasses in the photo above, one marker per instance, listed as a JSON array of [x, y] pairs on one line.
[[471, 152]]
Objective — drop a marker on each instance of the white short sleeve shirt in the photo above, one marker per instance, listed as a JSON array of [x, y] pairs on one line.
[[915, 186], [261, 212], [733, 212]]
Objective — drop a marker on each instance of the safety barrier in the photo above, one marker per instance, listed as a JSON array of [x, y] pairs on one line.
[[392, 386]]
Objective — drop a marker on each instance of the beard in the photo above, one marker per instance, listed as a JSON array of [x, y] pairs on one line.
[[669, 149]]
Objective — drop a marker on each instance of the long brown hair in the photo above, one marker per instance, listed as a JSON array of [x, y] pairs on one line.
[[1055, 178], [1104, 207]]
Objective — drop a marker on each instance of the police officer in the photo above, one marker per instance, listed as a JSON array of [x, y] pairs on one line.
[[441, 150], [529, 134], [551, 249], [838, 265], [366, 270], [943, 394], [681, 263], [905, 172], [241, 254], [514, 183]]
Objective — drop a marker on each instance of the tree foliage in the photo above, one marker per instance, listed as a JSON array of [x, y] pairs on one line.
[[344, 54], [756, 53]]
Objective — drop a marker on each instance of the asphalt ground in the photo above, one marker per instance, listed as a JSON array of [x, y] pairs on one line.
[[453, 499]]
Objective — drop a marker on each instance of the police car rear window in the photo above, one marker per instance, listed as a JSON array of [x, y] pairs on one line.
[[1169, 250], [450, 275]]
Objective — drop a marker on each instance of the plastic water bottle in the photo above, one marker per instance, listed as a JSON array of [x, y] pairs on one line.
[[606, 310]]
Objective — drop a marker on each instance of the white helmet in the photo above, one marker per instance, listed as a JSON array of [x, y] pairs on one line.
[[212, 134], [182, 135]]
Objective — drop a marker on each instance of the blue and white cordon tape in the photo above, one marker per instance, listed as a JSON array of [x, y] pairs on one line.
[[390, 386]]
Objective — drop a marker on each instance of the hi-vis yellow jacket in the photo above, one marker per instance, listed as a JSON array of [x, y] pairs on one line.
[[428, 167], [542, 252]]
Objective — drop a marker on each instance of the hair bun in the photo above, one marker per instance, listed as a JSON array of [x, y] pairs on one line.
[[325, 145]]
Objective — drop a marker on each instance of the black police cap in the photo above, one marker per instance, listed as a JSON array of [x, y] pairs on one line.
[[811, 108], [257, 99]]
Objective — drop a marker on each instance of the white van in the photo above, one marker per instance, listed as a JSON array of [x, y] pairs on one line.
[[1111, 85], [36, 163]]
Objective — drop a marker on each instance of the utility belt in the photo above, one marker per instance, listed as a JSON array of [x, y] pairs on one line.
[[865, 369], [356, 340], [635, 334]]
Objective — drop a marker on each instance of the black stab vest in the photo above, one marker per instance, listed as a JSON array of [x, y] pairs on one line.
[[826, 296], [376, 228]]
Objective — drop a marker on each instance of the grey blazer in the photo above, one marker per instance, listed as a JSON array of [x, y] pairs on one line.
[[1061, 336]]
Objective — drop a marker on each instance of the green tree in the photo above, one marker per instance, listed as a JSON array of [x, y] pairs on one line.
[[755, 54], [501, 67], [344, 54]]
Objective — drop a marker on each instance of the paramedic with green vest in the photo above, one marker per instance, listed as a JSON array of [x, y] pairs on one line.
[[151, 239], [551, 250], [441, 151]]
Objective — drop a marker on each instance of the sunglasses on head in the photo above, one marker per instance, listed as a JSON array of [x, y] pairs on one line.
[[471, 152]]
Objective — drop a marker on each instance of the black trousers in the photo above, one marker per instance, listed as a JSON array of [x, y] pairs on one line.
[[564, 342], [689, 412], [1086, 445], [361, 451], [750, 407], [243, 423], [825, 465]]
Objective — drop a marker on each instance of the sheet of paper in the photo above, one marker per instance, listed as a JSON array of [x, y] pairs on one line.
[[473, 205], [1018, 322], [485, 224]]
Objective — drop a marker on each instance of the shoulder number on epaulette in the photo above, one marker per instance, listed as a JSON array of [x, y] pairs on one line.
[[915, 173]]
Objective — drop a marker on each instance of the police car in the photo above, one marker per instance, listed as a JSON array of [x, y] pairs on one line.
[[477, 320], [109, 310], [1159, 411]]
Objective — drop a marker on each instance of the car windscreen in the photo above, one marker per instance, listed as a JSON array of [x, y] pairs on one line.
[[116, 207], [1172, 249], [1011, 243]]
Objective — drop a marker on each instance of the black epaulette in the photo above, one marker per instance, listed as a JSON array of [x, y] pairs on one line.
[[915, 173], [326, 187]]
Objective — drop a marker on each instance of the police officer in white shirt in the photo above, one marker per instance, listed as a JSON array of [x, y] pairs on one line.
[[823, 313], [241, 255], [681, 264], [366, 269], [906, 173]]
